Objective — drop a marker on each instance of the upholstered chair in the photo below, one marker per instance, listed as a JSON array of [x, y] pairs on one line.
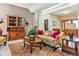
[[3, 38]]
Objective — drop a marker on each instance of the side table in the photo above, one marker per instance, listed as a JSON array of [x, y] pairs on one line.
[[69, 49]]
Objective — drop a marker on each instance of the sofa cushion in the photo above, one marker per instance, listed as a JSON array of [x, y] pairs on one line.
[[40, 32], [49, 40], [54, 34]]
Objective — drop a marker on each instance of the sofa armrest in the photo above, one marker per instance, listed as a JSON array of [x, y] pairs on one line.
[[59, 38]]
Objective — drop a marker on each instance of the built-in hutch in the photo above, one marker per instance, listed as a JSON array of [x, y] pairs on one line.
[[15, 27]]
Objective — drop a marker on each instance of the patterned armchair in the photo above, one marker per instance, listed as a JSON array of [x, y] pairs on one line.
[[3, 39]]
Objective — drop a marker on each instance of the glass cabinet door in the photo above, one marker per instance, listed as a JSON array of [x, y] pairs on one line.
[[12, 21], [21, 21]]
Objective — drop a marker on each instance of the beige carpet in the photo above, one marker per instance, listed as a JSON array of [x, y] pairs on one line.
[[17, 49]]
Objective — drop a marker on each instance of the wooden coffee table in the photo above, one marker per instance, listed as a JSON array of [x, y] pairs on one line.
[[33, 42]]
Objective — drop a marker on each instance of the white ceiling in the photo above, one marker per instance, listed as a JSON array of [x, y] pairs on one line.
[[34, 7], [72, 10], [53, 8]]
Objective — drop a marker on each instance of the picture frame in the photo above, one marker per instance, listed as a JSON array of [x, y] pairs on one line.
[[54, 23], [46, 24]]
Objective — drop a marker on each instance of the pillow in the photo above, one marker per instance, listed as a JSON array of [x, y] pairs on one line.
[[54, 34], [40, 32]]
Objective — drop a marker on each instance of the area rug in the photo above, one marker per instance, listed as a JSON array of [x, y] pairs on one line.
[[18, 49]]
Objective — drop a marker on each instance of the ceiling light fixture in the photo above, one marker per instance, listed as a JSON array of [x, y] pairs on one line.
[[65, 12]]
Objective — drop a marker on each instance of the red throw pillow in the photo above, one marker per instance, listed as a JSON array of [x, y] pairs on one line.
[[54, 34], [40, 32]]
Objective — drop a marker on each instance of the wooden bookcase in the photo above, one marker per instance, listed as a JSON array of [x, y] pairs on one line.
[[15, 28]]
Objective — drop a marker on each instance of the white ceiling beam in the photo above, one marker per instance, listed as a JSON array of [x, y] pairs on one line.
[[57, 8], [36, 7], [53, 7]]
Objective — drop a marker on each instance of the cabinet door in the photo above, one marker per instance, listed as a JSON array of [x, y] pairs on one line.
[[20, 35], [11, 21], [21, 21], [13, 35], [9, 36], [17, 35]]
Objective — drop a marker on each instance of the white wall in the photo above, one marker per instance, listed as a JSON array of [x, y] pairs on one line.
[[50, 18], [56, 18], [6, 9], [70, 16], [41, 20]]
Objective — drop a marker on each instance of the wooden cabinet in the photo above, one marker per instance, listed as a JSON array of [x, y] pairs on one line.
[[74, 31], [15, 28], [15, 34]]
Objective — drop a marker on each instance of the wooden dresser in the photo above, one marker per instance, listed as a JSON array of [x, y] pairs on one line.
[[15, 28]]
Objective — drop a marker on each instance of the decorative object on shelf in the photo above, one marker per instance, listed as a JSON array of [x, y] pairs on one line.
[[27, 23]]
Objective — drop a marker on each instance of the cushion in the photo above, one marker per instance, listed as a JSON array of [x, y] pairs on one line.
[[54, 34], [40, 32]]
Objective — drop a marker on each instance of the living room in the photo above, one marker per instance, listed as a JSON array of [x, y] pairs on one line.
[[17, 19]]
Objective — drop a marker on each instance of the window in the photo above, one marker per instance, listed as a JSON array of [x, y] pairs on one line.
[[76, 22]]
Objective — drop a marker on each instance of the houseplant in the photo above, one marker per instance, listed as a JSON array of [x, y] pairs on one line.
[[32, 32]]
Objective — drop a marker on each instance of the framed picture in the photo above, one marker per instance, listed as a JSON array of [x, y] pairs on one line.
[[54, 23], [46, 24]]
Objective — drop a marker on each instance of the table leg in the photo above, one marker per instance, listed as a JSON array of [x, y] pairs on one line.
[[24, 43], [76, 48], [62, 44], [31, 48], [40, 45]]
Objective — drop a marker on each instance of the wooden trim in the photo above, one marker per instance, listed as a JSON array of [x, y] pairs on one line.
[[7, 20], [70, 19], [17, 21]]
